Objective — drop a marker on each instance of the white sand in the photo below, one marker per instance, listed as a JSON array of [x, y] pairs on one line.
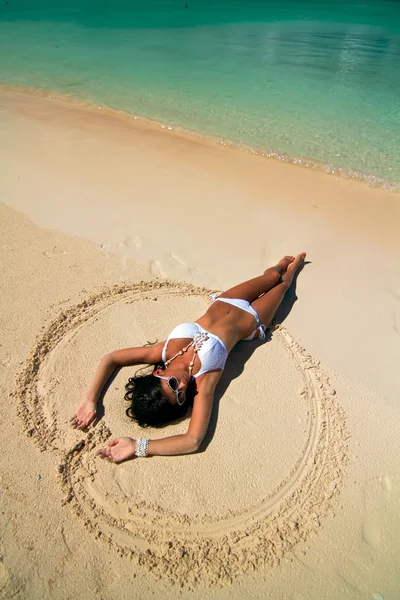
[[296, 494]]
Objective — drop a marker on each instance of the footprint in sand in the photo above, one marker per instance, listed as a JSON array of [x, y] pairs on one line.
[[377, 494], [132, 242], [172, 518], [155, 269], [6, 360], [169, 265]]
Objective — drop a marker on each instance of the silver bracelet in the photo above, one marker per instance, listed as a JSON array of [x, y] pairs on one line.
[[141, 447]]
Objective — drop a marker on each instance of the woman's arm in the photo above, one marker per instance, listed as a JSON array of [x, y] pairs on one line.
[[119, 358], [122, 449]]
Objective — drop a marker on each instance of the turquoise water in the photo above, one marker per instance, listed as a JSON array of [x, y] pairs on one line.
[[318, 81]]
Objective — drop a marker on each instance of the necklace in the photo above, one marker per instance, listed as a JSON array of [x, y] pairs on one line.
[[197, 343]]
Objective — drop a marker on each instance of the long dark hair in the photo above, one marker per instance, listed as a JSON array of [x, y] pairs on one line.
[[149, 407]]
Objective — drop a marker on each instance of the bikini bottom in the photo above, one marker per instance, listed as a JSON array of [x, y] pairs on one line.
[[244, 305]]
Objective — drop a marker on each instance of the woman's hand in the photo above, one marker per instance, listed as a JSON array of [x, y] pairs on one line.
[[84, 415], [118, 450]]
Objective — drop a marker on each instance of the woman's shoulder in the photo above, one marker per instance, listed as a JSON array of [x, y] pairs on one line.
[[207, 382], [149, 354]]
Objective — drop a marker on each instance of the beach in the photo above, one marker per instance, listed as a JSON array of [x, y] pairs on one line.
[[116, 228]]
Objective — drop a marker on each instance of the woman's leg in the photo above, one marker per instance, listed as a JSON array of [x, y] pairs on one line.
[[267, 305], [253, 288]]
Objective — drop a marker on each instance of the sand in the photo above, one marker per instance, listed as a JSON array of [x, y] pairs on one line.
[[113, 230]]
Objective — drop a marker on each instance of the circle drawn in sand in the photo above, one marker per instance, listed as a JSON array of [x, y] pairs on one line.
[[177, 544]]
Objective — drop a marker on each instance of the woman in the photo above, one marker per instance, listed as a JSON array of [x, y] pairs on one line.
[[191, 359]]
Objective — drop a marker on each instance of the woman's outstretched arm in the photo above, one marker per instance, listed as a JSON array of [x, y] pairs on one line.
[[119, 358], [122, 449]]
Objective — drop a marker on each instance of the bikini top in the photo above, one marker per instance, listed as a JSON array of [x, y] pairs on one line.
[[212, 351]]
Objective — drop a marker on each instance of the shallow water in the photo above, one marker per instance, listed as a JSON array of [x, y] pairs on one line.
[[313, 80]]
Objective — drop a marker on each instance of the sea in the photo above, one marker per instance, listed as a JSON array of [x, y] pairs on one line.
[[315, 83]]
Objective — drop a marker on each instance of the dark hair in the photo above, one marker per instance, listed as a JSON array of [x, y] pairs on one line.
[[149, 407]]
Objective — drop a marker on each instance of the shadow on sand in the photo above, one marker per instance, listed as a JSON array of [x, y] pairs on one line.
[[242, 352]]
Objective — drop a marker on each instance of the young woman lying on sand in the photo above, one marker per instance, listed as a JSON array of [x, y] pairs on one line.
[[190, 361]]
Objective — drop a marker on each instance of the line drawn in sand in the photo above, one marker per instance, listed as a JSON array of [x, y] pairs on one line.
[[174, 547]]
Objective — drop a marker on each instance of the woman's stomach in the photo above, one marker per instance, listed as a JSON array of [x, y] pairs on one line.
[[230, 323]]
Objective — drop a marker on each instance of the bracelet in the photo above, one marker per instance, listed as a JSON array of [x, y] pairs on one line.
[[142, 445]]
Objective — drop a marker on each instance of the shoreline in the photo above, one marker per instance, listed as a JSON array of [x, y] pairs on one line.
[[220, 174], [100, 213], [372, 181]]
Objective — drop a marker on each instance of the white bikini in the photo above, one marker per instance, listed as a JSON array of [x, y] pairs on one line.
[[244, 305], [210, 349]]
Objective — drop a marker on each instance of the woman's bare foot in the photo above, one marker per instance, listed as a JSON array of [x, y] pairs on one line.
[[283, 264], [293, 267]]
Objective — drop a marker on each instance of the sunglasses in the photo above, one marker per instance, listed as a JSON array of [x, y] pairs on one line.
[[173, 384]]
